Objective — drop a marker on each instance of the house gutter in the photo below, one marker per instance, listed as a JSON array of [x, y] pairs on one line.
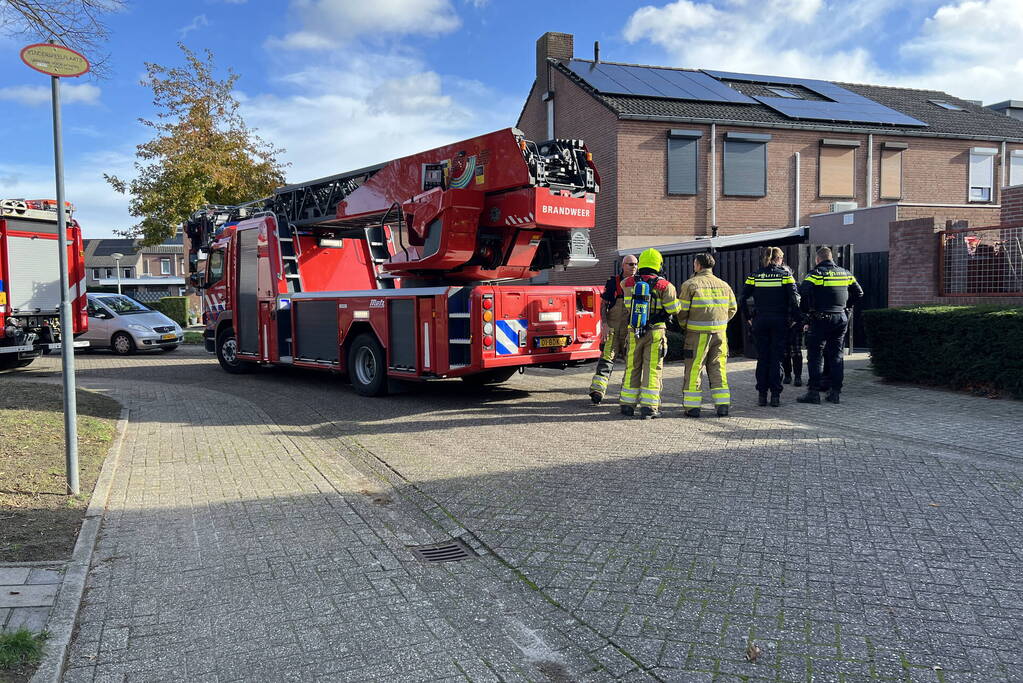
[[797, 126]]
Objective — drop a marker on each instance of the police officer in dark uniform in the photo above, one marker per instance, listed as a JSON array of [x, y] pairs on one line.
[[772, 290], [828, 294]]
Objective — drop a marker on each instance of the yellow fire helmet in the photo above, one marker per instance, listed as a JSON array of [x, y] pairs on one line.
[[651, 258]]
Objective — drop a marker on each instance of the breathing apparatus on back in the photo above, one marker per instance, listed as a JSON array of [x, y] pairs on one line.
[[639, 315]]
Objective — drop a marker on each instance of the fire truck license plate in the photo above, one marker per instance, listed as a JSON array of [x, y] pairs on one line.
[[550, 342], [168, 336]]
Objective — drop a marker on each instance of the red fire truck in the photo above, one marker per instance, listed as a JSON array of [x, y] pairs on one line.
[[388, 272], [30, 280]]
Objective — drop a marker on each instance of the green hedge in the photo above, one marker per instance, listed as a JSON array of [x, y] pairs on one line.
[[954, 346], [174, 307]]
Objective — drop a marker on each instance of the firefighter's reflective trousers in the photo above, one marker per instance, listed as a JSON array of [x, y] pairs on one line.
[[616, 345], [708, 349], [644, 363]]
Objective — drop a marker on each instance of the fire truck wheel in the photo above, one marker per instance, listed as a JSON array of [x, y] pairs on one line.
[[227, 353], [122, 344], [367, 368], [495, 376]]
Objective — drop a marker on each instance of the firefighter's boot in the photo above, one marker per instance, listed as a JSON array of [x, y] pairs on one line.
[[648, 413], [810, 396], [762, 399], [787, 379], [722, 409], [628, 411], [693, 412], [596, 397], [798, 381], [775, 399], [833, 397]]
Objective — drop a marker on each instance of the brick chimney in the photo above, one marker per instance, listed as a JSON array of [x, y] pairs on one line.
[[556, 46]]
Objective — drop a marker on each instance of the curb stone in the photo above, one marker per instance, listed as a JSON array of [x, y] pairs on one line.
[[61, 623]]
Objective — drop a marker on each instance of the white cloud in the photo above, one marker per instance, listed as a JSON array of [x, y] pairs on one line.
[[376, 107], [198, 22], [785, 37], [968, 48], [37, 95], [971, 49], [98, 209], [330, 23]]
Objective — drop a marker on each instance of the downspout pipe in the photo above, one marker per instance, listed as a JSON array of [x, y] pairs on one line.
[[1004, 180], [713, 184], [796, 191], [870, 171]]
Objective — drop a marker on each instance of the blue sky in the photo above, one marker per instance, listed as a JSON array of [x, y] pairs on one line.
[[345, 83]]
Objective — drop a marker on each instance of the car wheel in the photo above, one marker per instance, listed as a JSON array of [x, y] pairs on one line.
[[495, 376], [367, 366], [169, 348], [227, 353], [122, 344]]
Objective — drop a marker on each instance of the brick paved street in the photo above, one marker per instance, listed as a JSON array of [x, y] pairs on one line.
[[258, 530]]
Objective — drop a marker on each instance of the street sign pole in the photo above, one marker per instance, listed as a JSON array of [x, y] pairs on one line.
[[67, 338], [58, 61]]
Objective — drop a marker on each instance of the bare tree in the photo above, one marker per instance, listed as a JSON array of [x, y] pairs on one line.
[[78, 24]]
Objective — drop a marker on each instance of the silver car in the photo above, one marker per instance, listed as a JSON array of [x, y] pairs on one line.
[[126, 326]]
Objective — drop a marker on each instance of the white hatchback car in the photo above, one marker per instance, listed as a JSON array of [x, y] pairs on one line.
[[126, 326]]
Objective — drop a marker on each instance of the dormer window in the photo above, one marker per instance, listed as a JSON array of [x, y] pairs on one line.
[[782, 92], [946, 105]]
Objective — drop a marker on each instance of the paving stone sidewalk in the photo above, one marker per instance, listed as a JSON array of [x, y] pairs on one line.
[[26, 595], [877, 540]]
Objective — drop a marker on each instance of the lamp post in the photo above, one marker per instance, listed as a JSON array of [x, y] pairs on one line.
[[117, 265]]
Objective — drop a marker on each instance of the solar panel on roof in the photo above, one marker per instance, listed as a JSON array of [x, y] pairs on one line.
[[649, 81], [847, 105], [839, 111]]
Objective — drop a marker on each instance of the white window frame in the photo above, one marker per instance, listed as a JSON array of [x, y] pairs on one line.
[[1016, 167], [166, 268], [110, 273], [981, 175], [126, 272], [95, 273]]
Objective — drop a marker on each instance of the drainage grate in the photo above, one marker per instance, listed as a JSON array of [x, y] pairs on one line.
[[448, 551]]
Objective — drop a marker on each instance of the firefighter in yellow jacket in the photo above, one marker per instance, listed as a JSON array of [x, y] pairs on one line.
[[707, 304], [649, 301]]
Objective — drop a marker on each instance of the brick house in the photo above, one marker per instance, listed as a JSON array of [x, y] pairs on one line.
[[685, 154], [146, 273]]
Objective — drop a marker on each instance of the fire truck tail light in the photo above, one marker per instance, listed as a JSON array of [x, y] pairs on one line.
[[488, 341], [488, 304], [488, 328], [488, 316], [584, 301], [550, 316]]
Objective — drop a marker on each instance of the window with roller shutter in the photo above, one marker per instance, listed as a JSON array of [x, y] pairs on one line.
[[745, 164], [982, 173], [836, 168], [683, 161], [890, 185]]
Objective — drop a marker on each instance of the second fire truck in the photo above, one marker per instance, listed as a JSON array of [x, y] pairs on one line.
[[30, 281], [389, 272]]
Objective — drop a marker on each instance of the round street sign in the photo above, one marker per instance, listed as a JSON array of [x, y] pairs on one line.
[[55, 60]]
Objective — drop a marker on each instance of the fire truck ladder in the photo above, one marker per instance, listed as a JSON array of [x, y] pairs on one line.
[[379, 252], [290, 250], [312, 206]]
